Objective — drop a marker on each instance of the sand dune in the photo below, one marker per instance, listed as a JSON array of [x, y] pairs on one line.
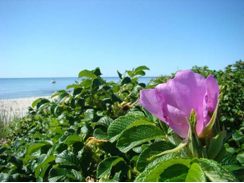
[[15, 108]]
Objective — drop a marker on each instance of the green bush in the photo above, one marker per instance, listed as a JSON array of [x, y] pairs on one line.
[[99, 132]]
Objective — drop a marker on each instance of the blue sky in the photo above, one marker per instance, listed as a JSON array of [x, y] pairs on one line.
[[59, 38]]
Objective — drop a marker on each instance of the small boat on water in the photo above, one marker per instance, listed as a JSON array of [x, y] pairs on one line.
[[53, 81]]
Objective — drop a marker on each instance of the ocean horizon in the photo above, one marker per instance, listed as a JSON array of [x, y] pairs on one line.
[[12, 88]]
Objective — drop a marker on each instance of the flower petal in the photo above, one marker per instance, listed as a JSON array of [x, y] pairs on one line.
[[172, 102], [178, 121], [209, 102], [186, 91], [212, 93], [149, 100]]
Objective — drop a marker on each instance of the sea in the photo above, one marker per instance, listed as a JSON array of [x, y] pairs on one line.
[[12, 88]]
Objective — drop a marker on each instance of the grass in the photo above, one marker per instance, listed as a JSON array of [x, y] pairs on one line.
[[7, 116], [2, 128]]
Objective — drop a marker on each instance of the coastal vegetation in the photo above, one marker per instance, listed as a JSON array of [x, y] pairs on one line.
[[100, 132], [6, 117]]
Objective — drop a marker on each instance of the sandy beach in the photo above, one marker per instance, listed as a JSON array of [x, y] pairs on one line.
[[16, 108]]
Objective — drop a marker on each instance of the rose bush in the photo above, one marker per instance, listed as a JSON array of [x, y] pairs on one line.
[[99, 132], [172, 102]]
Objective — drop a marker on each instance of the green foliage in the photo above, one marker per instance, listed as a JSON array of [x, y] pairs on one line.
[[172, 170], [104, 168], [214, 171], [120, 124], [151, 150], [232, 86], [98, 131], [137, 135], [181, 170]]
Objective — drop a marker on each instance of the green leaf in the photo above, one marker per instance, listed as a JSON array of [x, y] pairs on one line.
[[35, 102], [97, 72], [100, 134], [35, 147], [233, 167], [143, 85], [195, 174], [104, 121], [125, 80], [59, 92], [95, 84], [174, 173], [240, 158], [80, 102], [136, 89], [137, 135], [120, 75], [41, 102], [71, 139], [77, 175], [43, 162], [58, 110], [16, 161], [4, 177], [229, 159], [59, 178], [115, 98], [64, 115], [67, 158], [216, 144], [89, 115], [86, 83], [131, 74], [86, 73], [43, 172], [137, 149], [140, 68], [62, 97], [57, 174], [153, 149], [73, 86], [174, 170], [105, 166], [142, 73], [214, 171], [3, 149], [77, 147], [140, 122], [120, 124], [76, 91], [58, 130], [154, 164], [114, 179], [238, 136], [99, 113], [37, 135]]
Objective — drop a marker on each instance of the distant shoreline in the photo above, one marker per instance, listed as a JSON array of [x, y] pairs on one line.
[[36, 97]]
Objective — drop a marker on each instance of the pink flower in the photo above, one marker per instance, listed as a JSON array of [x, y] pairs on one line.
[[173, 101]]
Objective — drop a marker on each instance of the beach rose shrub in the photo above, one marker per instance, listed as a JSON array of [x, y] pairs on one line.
[[172, 102]]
